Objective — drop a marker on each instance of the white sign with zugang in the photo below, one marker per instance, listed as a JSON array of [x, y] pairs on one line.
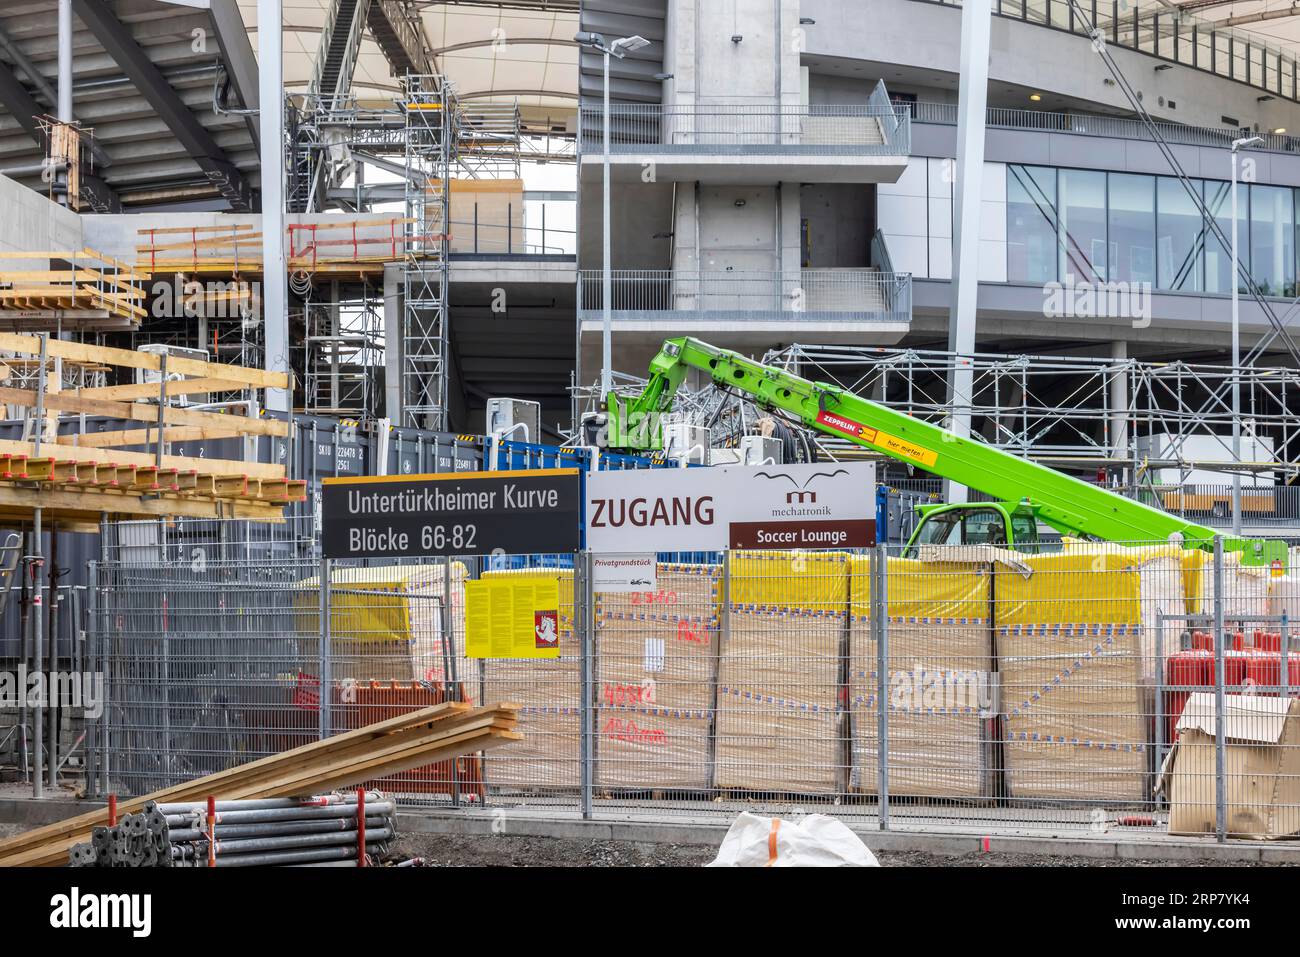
[[828, 505]]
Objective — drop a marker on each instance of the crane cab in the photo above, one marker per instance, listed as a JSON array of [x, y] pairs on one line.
[[1011, 525]]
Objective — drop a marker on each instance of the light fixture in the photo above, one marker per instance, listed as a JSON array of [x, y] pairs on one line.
[[740, 202], [1263, 99], [1164, 66], [663, 76], [619, 48], [626, 45], [806, 21], [736, 38], [1035, 97], [1279, 131]]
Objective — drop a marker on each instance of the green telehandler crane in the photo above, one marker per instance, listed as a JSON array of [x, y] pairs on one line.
[[1024, 492]]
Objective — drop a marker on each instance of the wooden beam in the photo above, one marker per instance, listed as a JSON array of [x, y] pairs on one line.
[[90, 501], [121, 437], [130, 359], [149, 390], [141, 412], [204, 466]]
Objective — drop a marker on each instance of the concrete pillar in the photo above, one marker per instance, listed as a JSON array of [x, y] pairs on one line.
[[394, 310], [275, 292], [789, 259], [972, 100]]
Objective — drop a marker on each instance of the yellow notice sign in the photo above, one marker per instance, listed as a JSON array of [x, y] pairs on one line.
[[916, 453], [512, 619]]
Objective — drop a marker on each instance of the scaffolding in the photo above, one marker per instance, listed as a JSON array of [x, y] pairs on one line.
[[429, 108], [344, 344], [1152, 422]]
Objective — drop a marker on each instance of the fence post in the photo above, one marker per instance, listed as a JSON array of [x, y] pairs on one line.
[[105, 658], [326, 690], [1284, 640], [586, 634], [879, 608], [92, 668], [450, 678], [1220, 782]]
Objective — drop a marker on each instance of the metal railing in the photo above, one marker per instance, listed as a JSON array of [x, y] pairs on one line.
[[1167, 33], [967, 688], [511, 238], [874, 129], [880, 258], [1087, 124], [862, 295]]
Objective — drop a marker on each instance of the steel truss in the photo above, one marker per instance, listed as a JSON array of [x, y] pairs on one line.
[[1070, 411]]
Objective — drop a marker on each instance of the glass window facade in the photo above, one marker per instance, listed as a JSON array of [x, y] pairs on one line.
[[1131, 222], [1082, 202], [1180, 240], [1272, 240], [1070, 225], [1031, 223]]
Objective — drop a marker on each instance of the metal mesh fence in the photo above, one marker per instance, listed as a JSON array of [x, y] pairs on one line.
[[1143, 688]]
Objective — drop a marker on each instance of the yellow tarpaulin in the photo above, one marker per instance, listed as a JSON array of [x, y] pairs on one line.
[[813, 581], [382, 604]]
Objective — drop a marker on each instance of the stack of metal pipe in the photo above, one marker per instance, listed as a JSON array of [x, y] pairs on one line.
[[322, 831]]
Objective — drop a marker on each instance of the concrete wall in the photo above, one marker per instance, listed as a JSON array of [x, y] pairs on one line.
[[722, 227], [639, 211], [840, 218], [708, 66], [739, 228], [32, 223]]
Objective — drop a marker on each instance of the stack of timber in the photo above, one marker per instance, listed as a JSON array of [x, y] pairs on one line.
[[92, 292], [781, 716], [939, 684], [77, 478], [657, 652], [440, 733]]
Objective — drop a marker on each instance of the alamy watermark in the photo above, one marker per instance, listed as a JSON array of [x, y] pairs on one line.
[[74, 690], [1129, 301], [941, 688], [236, 299]]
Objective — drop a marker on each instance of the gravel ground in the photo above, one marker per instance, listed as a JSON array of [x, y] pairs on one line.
[[441, 850], [445, 850]]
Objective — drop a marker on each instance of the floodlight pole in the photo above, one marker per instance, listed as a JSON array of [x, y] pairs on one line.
[[1236, 346]]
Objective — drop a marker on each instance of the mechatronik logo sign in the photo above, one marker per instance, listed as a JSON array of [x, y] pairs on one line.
[[802, 494], [705, 509]]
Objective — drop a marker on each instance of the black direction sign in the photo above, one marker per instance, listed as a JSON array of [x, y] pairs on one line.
[[454, 513]]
